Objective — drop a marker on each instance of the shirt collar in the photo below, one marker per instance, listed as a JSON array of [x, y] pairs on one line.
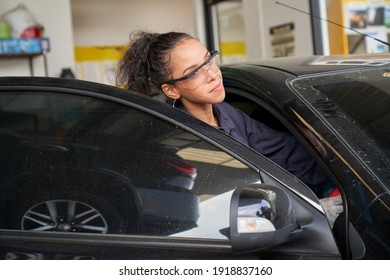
[[225, 122]]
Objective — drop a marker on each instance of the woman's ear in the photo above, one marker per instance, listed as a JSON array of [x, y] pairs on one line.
[[170, 91]]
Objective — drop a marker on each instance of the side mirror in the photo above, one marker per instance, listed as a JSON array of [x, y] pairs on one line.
[[261, 216]]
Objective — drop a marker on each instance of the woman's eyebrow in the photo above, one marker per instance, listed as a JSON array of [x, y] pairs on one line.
[[194, 66]]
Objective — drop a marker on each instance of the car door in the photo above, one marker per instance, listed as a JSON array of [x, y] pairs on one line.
[[93, 172]]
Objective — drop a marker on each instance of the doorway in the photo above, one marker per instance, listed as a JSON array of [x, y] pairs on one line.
[[226, 29]]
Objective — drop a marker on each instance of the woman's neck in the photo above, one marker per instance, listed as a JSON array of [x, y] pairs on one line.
[[204, 113]]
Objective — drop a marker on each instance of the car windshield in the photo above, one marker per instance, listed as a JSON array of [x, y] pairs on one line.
[[356, 104]]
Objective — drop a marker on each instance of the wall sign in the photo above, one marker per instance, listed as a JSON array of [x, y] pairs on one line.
[[283, 40]]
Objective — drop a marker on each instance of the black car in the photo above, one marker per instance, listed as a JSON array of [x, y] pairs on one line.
[[93, 171]]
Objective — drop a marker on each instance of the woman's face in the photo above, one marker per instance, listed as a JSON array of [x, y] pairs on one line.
[[187, 56]]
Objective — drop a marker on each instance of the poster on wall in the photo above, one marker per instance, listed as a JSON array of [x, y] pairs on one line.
[[373, 46], [356, 15], [283, 40], [387, 15], [372, 18], [376, 13], [365, 14]]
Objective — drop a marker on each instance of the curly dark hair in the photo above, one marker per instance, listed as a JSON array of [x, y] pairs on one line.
[[146, 62]]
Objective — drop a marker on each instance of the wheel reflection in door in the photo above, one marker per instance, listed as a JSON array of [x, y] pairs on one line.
[[64, 216]]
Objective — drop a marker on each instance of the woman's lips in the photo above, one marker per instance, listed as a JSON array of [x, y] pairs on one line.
[[218, 87]]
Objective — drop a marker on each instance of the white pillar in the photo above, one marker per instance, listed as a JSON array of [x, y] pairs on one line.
[[200, 21], [254, 29], [324, 28]]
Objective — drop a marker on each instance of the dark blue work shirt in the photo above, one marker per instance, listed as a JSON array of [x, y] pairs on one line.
[[280, 147]]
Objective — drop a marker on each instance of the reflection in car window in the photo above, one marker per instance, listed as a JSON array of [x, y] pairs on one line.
[[79, 164]]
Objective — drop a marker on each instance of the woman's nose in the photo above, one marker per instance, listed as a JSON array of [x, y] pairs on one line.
[[212, 73]]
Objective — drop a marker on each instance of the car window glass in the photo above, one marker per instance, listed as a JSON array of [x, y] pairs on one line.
[[355, 107], [342, 100], [352, 97], [79, 164], [349, 94]]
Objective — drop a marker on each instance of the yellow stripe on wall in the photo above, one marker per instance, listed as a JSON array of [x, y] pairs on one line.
[[233, 48], [99, 53]]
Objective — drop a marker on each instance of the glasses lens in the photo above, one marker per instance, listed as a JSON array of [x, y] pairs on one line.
[[200, 75]]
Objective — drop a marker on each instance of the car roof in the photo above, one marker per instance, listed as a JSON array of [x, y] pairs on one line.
[[317, 64]]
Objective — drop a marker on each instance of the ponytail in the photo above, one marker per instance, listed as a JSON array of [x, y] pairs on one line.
[[132, 68]]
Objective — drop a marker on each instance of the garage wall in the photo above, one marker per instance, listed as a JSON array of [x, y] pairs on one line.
[[102, 28], [73, 23], [55, 16], [102, 22]]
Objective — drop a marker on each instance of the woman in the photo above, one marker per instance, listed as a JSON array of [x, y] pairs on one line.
[[185, 71]]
